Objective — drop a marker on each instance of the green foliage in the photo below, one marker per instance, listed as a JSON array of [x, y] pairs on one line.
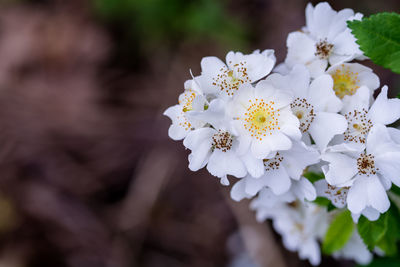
[[324, 202], [383, 233], [389, 241], [386, 262], [160, 23], [338, 233], [313, 176], [379, 38], [372, 232]]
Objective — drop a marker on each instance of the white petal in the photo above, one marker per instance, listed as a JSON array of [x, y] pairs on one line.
[[244, 144], [278, 181], [380, 142], [384, 110], [389, 166], [225, 163], [195, 138], [254, 166], [325, 126], [342, 168], [359, 101], [290, 124], [211, 66], [298, 158], [377, 196], [260, 148], [199, 157], [357, 198], [237, 192], [177, 132], [214, 115], [265, 90], [394, 134], [242, 97], [310, 250], [259, 65], [297, 81], [338, 24], [322, 19], [345, 48], [277, 141], [371, 213], [317, 67], [304, 189], [301, 49], [322, 96]]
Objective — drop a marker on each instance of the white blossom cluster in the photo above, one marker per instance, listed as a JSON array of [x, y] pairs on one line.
[[314, 112]]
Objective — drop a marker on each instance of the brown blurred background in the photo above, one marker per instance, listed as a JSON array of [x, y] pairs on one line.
[[88, 175]]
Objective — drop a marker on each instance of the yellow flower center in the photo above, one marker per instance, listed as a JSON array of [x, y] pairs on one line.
[[261, 118], [345, 82]]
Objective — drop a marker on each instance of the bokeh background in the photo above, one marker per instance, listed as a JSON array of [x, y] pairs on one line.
[[88, 175]]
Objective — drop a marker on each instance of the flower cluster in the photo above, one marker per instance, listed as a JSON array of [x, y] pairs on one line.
[[315, 112]]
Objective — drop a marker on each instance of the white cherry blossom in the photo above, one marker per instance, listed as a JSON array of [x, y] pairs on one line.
[[360, 118], [348, 77], [301, 225], [325, 38], [224, 80], [191, 99], [263, 120], [369, 173]]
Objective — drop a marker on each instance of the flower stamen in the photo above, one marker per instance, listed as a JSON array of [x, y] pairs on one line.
[[222, 141], [304, 112], [261, 118], [366, 164], [324, 49]]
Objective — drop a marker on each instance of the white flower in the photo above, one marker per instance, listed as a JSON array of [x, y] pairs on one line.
[[360, 118], [191, 99], [220, 79], [263, 120], [338, 196], [315, 104], [356, 250], [279, 172], [368, 173], [301, 225], [215, 146], [348, 77], [325, 38]]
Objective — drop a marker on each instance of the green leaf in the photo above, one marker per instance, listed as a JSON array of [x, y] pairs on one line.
[[322, 201], [313, 176], [379, 262], [395, 189], [372, 232], [392, 235], [379, 38], [338, 233], [331, 207]]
